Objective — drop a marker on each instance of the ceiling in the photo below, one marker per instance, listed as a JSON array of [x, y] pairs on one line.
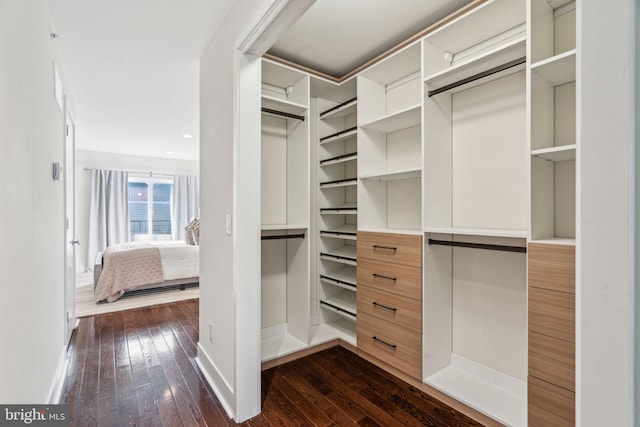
[[133, 66]]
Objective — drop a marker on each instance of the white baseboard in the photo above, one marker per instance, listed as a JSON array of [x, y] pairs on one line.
[[223, 390], [55, 390]]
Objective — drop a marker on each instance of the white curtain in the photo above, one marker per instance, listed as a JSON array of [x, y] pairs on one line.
[[109, 214], [186, 204]]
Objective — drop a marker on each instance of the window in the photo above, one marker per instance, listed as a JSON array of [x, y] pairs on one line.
[[150, 208]]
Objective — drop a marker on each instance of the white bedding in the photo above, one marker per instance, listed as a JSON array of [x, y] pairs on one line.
[[179, 260]]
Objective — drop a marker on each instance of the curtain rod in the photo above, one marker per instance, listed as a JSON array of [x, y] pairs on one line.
[[150, 173]]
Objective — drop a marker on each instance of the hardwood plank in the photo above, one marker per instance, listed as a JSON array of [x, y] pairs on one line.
[[115, 374]]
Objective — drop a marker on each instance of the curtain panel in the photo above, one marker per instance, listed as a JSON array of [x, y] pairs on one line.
[[109, 212], [186, 204]]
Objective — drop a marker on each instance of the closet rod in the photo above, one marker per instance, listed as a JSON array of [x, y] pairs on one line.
[[339, 106], [502, 248], [282, 113], [342, 132], [478, 76], [282, 236]]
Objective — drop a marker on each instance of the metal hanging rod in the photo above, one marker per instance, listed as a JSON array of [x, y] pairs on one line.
[[282, 236], [339, 106], [478, 76], [503, 248], [282, 113], [342, 132]]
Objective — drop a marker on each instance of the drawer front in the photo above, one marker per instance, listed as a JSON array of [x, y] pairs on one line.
[[549, 405], [552, 267], [552, 313], [397, 346], [402, 311], [552, 360], [387, 247], [401, 279]]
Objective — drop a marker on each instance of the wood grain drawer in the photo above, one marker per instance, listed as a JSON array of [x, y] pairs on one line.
[[552, 360], [401, 279], [392, 344], [552, 267], [552, 313], [402, 311], [388, 247], [549, 405]]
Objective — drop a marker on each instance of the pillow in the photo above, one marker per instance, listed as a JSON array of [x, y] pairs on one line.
[[195, 231], [188, 232]]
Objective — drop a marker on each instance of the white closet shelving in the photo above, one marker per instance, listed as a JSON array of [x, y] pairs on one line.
[[285, 210], [389, 136], [553, 121], [475, 210], [337, 177]]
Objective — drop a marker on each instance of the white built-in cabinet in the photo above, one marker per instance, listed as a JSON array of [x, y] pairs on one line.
[[430, 201], [476, 174], [337, 205], [285, 212]]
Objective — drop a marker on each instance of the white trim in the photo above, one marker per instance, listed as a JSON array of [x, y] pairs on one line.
[[55, 390], [215, 379], [270, 23]]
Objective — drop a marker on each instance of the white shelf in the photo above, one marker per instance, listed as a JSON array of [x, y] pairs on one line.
[[403, 119], [490, 392], [340, 329], [346, 209], [557, 70], [394, 176], [344, 303], [408, 231], [556, 154], [283, 105], [341, 159], [485, 232], [345, 278], [344, 254], [280, 345], [480, 23], [347, 182], [341, 137], [556, 241], [288, 227], [495, 56], [345, 110], [346, 232]]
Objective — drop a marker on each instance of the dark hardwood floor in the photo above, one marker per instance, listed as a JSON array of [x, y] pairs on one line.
[[137, 367]]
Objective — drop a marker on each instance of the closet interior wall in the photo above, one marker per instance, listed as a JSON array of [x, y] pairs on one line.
[[285, 197]]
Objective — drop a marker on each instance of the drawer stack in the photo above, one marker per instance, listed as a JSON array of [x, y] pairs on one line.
[[551, 382], [389, 299]]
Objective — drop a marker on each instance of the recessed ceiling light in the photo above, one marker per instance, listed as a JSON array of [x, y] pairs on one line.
[[168, 152], [187, 135]]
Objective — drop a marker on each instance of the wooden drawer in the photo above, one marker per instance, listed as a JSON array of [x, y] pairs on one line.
[[552, 267], [549, 405], [402, 311], [387, 247], [552, 360], [393, 344], [552, 313], [401, 279]]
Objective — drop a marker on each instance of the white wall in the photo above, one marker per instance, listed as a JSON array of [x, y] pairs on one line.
[[605, 256], [100, 160], [32, 213], [230, 173]]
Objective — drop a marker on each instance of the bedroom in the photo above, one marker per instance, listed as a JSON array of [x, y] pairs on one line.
[[233, 262]]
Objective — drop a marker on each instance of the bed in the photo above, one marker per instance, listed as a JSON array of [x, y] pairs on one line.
[[136, 266]]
